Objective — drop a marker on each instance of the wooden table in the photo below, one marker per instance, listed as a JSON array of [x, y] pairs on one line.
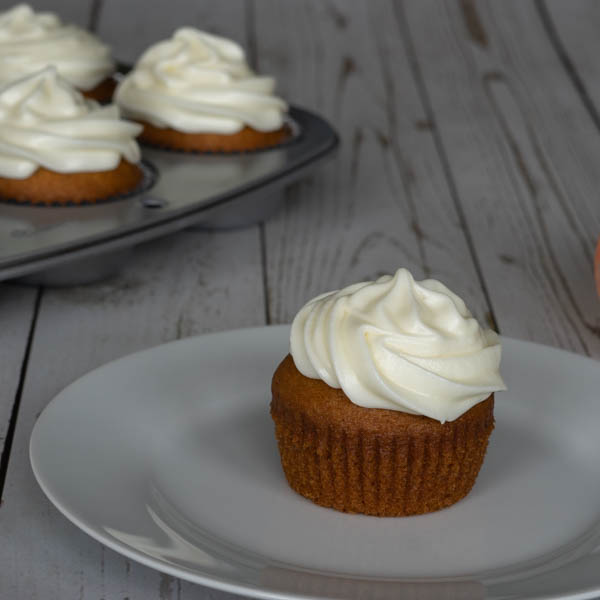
[[470, 152]]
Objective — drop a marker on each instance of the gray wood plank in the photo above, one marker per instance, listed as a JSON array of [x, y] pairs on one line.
[[576, 24], [69, 11], [176, 287], [525, 157], [129, 27], [385, 201], [16, 313]]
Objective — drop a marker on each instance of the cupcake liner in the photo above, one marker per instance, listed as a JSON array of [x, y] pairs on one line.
[[149, 177], [407, 473], [103, 92], [294, 134]]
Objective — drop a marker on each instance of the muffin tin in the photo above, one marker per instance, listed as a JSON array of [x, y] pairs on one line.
[[78, 244]]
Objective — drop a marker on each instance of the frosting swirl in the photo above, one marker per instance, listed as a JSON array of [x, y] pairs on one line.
[[197, 82], [29, 41], [398, 344], [46, 122]]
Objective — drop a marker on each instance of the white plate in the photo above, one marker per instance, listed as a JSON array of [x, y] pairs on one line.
[[168, 457]]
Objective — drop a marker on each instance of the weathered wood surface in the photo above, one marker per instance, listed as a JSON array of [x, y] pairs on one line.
[[80, 12], [573, 27], [130, 27], [17, 308], [385, 202], [525, 156], [468, 154]]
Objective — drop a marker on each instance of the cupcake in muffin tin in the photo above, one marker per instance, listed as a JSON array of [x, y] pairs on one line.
[[57, 147], [196, 92], [385, 404], [31, 40], [193, 93]]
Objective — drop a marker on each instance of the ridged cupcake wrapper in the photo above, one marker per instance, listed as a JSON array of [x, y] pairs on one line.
[[397, 475], [149, 177], [221, 145]]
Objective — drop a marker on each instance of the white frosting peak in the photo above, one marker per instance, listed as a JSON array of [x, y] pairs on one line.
[[46, 122], [398, 344], [30, 41], [197, 82]]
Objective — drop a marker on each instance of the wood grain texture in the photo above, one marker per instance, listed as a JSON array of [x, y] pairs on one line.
[[69, 11], [130, 27], [576, 24], [16, 314], [525, 157], [385, 201]]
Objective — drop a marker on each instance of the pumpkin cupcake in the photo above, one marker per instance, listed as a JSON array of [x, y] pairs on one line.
[[385, 404], [57, 147], [196, 93], [29, 41]]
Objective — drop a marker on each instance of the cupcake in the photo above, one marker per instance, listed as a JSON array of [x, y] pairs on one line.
[[29, 41], [384, 405], [196, 93], [57, 147]]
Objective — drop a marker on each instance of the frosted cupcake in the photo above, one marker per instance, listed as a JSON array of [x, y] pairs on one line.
[[57, 147], [29, 41], [385, 404], [196, 92]]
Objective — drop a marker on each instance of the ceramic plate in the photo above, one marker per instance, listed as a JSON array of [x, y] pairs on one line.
[[168, 457]]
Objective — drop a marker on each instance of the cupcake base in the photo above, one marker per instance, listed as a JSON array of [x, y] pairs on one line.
[[245, 140], [103, 92], [46, 187], [373, 461]]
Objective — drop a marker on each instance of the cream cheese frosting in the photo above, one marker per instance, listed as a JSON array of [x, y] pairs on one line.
[[197, 82], [398, 344], [45, 122], [29, 41]]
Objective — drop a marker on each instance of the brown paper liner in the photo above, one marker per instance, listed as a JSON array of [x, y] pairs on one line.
[[245, 140], [103, 92], [51, 188], [373, 461]]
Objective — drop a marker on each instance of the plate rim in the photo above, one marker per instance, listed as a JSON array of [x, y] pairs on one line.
[[221, 583]]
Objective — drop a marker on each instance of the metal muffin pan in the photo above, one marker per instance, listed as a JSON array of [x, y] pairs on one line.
[[78, 244]]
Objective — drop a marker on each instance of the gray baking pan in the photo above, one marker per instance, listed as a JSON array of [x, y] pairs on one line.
[[71, 245]]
